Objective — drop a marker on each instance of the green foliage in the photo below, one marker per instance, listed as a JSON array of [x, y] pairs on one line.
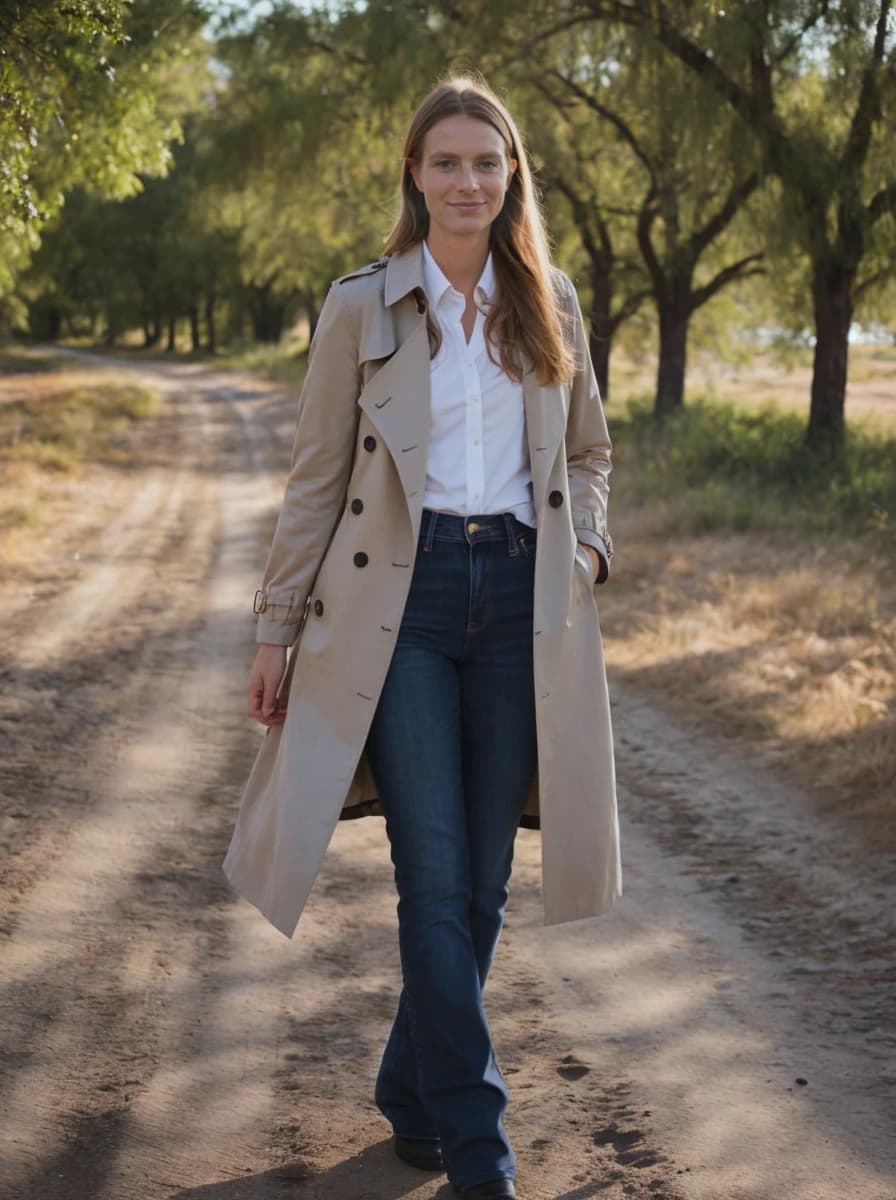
[[715, 466], [240, 176], [91, 94]]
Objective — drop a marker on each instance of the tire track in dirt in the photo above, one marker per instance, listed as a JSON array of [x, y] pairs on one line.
[[84, 656], [113, 866], [163, 1041]]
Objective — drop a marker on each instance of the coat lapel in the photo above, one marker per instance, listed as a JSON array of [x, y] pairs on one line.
[[546, 409], [397, 402]]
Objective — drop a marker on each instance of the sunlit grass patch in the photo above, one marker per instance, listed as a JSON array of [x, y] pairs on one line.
[[283, 362], [56, 426], [58, 429]]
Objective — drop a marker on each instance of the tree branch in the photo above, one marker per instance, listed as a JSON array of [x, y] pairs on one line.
[[628, 308], [580, 218], [736, 198], [527, 45], [860, 289], [622, 127], [756, 111], [807, 25], [868, 108], [734, 270], [882, 203], [646, 218]]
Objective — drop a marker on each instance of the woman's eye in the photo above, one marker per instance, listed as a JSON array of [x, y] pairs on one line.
[[489, 163]]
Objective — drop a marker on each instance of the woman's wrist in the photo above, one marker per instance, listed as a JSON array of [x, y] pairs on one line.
[[593, 558]]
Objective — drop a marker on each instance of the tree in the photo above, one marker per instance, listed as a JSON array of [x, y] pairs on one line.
[[92, 95], [680, 211], [815, 83]]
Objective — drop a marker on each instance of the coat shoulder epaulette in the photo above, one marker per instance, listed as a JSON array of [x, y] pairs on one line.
[[370, 269]]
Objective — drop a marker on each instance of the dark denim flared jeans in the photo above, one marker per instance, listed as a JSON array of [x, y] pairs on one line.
[[453, 751]]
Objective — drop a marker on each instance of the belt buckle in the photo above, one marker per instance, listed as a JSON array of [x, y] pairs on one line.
[[474, 526], [260, 603]]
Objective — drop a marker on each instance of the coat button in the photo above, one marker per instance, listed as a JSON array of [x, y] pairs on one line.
[[357, 506], [370, 442], [555, 499], [319, 607], [360, 559]]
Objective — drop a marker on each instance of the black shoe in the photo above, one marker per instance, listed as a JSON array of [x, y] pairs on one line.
[[420, 1153], [492, 1189]]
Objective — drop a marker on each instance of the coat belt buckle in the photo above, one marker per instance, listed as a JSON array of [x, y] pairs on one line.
[[259, 606]]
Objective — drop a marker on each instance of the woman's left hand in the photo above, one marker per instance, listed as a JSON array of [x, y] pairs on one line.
[[594, 559]]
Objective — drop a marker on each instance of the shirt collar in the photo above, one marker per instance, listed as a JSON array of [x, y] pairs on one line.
[[437, 283]]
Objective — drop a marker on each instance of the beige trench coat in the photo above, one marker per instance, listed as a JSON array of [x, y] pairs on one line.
[[337, 579]]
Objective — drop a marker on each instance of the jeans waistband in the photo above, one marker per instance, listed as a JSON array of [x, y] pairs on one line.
[[478, 527]]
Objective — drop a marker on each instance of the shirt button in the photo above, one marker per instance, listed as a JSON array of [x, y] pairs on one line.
[[475, 441]]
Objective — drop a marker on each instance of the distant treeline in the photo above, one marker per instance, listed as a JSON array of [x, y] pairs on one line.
[[165, 166]]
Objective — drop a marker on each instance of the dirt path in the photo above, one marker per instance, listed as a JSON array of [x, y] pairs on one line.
[[161, 1040]]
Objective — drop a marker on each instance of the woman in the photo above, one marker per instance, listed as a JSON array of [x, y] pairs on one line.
[[433, 567]]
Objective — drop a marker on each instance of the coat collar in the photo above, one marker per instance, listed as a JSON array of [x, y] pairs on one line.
[[408, 271], [404, 273]]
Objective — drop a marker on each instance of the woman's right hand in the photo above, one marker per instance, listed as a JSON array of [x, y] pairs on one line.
[[264, 679]]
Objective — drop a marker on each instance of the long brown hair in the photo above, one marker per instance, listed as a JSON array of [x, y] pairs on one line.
[[526, 315]]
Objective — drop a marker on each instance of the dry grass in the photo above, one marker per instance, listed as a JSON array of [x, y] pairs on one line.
[[787, 646], [57, 422], [782, 634], [766, 379]]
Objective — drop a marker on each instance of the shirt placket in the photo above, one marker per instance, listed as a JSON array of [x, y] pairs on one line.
[[475, 445]]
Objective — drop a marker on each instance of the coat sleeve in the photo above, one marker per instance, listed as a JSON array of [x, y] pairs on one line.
[[321, 462], [588, 446]]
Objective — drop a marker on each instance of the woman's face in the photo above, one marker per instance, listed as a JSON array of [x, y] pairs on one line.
[[463, 173]]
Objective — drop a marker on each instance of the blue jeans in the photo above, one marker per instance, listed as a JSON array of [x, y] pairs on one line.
[[453, 750]]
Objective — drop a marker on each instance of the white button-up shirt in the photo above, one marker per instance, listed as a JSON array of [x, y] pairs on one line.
[[478, 453]]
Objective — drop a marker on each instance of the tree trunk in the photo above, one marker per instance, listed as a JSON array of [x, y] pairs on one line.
[[152, 331], [267, 309], [54, 322], [210, 332], [195, 335], [670, 374], [172, 335], [832, 286]]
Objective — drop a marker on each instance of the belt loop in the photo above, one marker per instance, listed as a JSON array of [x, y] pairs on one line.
[[430, 528], [512, 547]]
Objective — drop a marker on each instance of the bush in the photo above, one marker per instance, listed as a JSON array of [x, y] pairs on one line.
[[723, 467]]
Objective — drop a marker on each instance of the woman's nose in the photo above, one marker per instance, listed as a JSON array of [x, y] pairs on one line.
[[468, 180]]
